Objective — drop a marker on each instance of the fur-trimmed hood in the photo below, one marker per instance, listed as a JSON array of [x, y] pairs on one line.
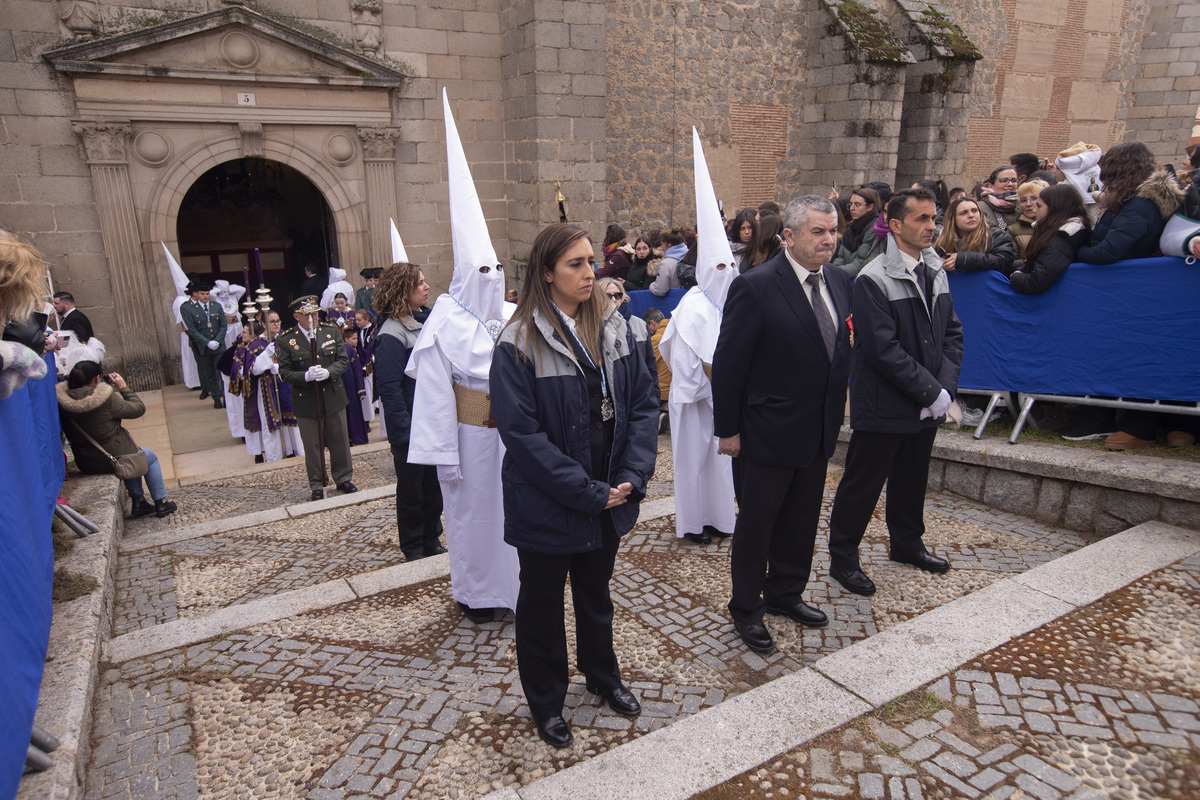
[[1164, 191], [83, 400]]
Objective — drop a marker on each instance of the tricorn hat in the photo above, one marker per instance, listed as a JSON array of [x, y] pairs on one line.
[[305, 305], [199, 285]]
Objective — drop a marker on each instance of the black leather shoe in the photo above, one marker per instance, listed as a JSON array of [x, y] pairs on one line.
[[803, 613], [436, 550], [854, 581], [756, 636], [716, 534], [620, 699], [258, 459], [555, 732], [925, 561], [413, 555], [139, 507], [218, 403], [164, 507], [477, 615], [204, 395], [698, 538], [347, 488], [318, 494]]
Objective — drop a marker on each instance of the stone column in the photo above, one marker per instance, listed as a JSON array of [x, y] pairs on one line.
[[379, 151], [106, 144]]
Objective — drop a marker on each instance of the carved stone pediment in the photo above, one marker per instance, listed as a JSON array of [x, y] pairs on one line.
[[229, 43]]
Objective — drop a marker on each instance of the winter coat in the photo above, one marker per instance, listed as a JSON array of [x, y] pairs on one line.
[[395, 390], [904, 353], [1191, 198], [1040, 272], [999, 256], [852, 261], [618, 258], [1133, 230], [99, 411], [666, 279], [1021, 232], [641, 274], [552, 501]]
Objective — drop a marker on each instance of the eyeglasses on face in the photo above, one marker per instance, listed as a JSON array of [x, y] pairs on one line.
[[614, 295]]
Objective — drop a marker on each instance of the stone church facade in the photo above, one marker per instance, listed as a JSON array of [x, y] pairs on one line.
[[112, 112]]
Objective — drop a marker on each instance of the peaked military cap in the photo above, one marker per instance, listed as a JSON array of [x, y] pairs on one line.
[[305, 305]]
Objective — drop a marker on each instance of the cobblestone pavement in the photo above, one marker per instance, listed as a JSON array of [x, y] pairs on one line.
[[1102, 703], [396, 695]]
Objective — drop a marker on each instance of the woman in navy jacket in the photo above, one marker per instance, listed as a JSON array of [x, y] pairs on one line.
[[572, 399]]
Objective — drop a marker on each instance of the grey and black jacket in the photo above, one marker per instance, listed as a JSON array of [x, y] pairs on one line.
[[540, 401], [905, 353]]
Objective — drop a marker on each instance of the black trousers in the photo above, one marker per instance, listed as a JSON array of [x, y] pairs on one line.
[[418, 504], [901, 459], [541, 631], [771, 553]]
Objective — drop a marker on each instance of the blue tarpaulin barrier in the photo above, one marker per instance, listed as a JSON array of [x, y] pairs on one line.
[[31, 475], [1129, 329], [643, 299]]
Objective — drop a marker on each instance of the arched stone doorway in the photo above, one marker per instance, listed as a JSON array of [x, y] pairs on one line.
[[247, 203]]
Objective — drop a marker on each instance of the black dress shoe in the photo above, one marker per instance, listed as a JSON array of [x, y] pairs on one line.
[[258, 459], [698, 538], [803, 613], [925, 561], [413, 555], [477, 615], [620, 699], [854, 581], [204, 395], [716, 534], [436, 550], [218, 403], [756, 636], [555, 732], [347, 488], [318, 494]]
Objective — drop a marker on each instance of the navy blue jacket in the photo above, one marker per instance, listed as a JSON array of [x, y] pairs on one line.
[[552, 501], [904, 354], [393, 344], [1047, 266], [1132, 232]]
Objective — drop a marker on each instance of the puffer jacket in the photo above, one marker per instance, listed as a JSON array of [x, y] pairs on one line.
[[904, 354], [98, 411], [1040, 272], [552, 501], [1133, 231], [1191, 198], [999, 256], [852, 261]]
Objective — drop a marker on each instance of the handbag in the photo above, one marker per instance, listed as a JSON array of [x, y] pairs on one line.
[[1177, 236], [126, 467]]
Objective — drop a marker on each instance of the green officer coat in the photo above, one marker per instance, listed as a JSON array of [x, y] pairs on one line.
[[204, 324], [363, 299], [294, 352]]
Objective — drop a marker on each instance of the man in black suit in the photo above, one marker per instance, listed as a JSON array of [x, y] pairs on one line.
[[73, 319], [314, 283], [779, 395]]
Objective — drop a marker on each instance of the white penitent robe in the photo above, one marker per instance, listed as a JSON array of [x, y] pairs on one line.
[[703, 478], [191, 374], [484, 572], [233, 411], [271, 445]]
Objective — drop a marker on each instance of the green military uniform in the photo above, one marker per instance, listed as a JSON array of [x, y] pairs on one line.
[[205, 323], [363, 299], [294, 351]]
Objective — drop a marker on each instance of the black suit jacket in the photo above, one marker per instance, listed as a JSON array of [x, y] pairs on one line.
[[773, 381], [78, 324]]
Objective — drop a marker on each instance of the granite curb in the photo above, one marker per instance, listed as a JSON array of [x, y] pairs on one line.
[[76, 632], [726, 740], [269, 466]]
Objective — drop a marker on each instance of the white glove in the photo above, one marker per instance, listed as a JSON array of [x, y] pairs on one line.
[[310, 374], [269, 350], [212, 345], [450, 474], [321, 373], [274, 368], [940, 405]]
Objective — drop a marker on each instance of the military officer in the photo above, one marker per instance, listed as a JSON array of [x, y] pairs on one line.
[[294, 350], [204, 323], [366, 295]]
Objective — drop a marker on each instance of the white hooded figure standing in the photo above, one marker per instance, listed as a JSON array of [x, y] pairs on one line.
[[453, 353], [227, 295], [191, 374], [704, 497], [337, 284]]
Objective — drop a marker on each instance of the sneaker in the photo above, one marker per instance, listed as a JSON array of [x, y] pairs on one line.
[[973, 416], [1086, 430], [1126, 441]]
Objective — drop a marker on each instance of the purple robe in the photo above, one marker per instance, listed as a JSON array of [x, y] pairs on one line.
[[277, 395], [356, 389]]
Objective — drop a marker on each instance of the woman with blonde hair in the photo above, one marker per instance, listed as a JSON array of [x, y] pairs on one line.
[[969, 244], [24, 291], [578, 413], [1022, 229]]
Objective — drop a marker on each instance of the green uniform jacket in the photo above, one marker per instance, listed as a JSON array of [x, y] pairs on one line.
[[363, 298], [204, 324], [295, 357]]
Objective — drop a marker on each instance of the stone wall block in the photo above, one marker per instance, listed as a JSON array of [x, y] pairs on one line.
[[965, 479], [1010, 491], [1082, 507], [1052, 500], [1107, 524], [937, 475], [1132, 507], [1180, 512]]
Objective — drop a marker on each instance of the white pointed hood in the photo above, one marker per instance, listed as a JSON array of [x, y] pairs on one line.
[[337, 283], [227, 294], [697, 318], [466, 320], [180, 280], [399, 254]]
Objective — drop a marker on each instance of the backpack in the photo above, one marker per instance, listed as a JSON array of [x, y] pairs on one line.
[[686, 275]]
